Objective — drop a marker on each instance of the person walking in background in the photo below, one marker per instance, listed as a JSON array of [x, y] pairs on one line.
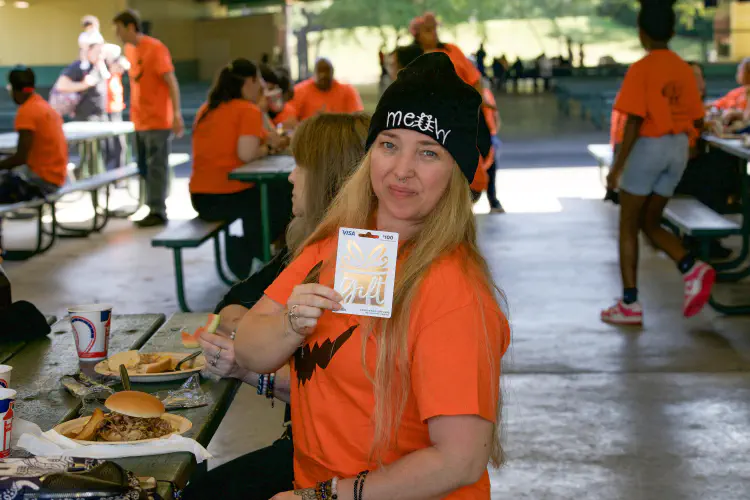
[[516, 73], [41, 157], [660, 98], [154, 110], [324, 94], [481, 56]]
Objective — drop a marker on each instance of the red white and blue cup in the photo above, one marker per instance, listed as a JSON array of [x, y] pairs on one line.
[[91, 330], [7, 401], [5, 376]]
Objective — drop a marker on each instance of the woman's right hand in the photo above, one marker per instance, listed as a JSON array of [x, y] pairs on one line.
[[225, 365], [306, 305]]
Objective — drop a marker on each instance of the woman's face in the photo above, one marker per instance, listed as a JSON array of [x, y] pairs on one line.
[[409, 172], [297, 178], [251, 90], [427, 37]]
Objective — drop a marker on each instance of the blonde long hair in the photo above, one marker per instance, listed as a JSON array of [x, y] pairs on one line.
[[449, 227], [329, 147]]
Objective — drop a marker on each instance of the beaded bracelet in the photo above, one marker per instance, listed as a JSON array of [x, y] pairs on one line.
[[270, 387], [359, 484], [261, 384]]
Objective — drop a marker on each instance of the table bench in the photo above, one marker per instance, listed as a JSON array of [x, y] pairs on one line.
[[192, 234], [90, 185]]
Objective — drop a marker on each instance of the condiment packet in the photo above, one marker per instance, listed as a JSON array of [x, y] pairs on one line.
[[366, 271]]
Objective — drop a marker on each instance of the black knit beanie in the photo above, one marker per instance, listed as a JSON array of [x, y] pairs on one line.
[[430, 98]]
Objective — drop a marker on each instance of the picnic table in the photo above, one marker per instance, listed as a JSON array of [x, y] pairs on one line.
[[39, 365], [87, 133], [264, 171]]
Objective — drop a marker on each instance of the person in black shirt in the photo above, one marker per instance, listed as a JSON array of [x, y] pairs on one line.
[[88, 79], [327, 148]]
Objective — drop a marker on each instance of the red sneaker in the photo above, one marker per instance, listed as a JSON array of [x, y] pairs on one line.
[[698, 283], [623, 314]]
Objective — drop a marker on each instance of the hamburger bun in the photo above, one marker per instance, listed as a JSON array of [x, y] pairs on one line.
[[135, 404], [128, 358], [154, 363]]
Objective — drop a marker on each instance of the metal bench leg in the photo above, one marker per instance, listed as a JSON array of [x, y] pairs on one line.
[[100, 212], [41, 247], [729, 310], [217, 258], [177, 253], [736, 262]]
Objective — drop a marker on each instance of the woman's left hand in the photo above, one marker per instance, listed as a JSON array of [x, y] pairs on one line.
[[307, 494]]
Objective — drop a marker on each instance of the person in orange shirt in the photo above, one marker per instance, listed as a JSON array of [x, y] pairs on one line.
[[154, 110], [415, 395], [424, 31], [277, 95], [42, 151], [228, 133], [327, 149], [734, 103], [660, 97], [324, 94]]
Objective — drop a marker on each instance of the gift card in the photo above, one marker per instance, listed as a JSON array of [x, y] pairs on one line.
[[366, 271]]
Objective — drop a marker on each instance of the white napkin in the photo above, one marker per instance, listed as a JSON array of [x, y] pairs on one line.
[[53, 444]]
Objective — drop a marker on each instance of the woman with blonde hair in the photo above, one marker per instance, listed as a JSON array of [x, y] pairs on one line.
[[327, 148], [406, 407]]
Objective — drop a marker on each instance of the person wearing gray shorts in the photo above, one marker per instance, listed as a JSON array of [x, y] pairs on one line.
[[661, 101]]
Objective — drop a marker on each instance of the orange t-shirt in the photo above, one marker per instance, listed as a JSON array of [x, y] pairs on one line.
[[286, 112], [115, 94], [48, 157], [309, 100], [215, 139], [661, 88], [150, 102], [465, 69], [454, 367], [734, 99]]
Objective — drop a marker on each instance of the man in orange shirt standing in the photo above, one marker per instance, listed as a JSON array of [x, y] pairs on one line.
[[324, 94], [154, 110], [42, 152], [661, 100]]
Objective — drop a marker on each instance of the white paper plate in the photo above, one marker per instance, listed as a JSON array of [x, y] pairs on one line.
[[102, 368], [181, 424]]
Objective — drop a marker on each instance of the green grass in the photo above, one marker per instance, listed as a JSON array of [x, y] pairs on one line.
[[354, 54]]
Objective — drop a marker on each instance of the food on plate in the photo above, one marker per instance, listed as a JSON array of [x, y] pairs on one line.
[[89, 431], [190, 340], [128, 358], [134, 416], [136, 362], [154, 363]]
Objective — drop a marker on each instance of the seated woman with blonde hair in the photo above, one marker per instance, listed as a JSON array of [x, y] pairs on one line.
[[406, 407], [327, 148]]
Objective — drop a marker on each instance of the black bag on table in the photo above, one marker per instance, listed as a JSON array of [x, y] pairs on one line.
[[22, 321], [65, 478]]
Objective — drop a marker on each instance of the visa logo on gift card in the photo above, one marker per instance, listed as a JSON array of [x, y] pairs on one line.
[[366, 271]]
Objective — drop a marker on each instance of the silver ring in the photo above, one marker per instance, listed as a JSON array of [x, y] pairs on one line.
[[233, 335], [293, 312], [212, 363], [217, 356]]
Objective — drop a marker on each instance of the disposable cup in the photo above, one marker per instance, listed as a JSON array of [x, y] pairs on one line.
[[91, 330]]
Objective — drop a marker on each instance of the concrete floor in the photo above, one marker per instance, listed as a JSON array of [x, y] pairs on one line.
[[591, 411]]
